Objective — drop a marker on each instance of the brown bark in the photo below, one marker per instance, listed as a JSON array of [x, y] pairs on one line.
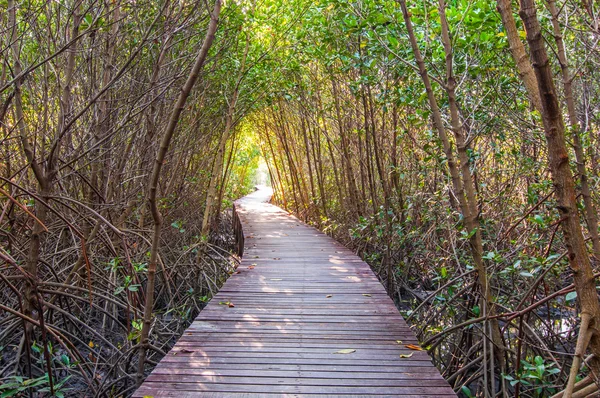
[[471, 213], [353, 196], [464, 188], [217, 170], [33, 256], [517, 49], [562, 178], [152, 192], [591, 216]]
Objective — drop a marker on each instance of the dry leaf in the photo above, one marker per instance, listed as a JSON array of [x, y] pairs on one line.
[[329, 296], [413, 347], [251, 267], [367, 295], [276, 279], [91, 344], [345, 351], [399, 341], [185, 351], [406, 355], [230, 305]]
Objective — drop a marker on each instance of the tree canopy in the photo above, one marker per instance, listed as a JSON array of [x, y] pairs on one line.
[[453, 144]]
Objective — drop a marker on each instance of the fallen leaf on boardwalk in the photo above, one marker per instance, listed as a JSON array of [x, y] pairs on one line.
[[230, 305], [276, 279], [367, 295], [406, 355], [413, 347], [224, 303], [399, 341], [186, 351], [329, 296], [251, 267], [276, 258], [345, 351]]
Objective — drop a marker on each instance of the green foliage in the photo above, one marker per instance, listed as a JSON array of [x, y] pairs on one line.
[[536, 376]]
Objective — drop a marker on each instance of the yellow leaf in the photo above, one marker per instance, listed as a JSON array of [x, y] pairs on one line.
[[345, 351], [91, 344], [367, 295], [406, 355], [399, 341]]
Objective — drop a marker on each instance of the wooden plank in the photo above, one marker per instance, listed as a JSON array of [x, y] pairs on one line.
[[301, 389], [299, 298]]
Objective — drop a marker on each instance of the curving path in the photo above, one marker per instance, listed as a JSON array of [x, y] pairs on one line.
[[307, 317]]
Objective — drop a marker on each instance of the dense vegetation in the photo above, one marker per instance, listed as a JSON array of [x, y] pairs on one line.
[[453, 144]]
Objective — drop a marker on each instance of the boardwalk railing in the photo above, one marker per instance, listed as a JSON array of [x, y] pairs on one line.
[[238, 232]]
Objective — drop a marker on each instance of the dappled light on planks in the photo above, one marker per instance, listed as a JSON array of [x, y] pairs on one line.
[[301, 316]]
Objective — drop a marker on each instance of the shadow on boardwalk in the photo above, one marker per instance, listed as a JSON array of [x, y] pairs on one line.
[[302, 316]]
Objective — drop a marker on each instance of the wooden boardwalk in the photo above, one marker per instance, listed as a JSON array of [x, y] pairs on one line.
[[303, 316]]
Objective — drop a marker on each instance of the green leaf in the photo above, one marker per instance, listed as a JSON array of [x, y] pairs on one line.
[[465, 390], [571, 296], [65, 359]]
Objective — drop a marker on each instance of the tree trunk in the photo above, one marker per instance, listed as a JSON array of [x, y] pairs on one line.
[[517, 49], [558, 160], [152, 192], [591, 216], [217, 171]]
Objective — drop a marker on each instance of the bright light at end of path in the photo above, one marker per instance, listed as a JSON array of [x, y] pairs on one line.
[[262, 174]]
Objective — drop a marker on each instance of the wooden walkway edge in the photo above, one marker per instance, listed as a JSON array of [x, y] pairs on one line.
[[303, 316]]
